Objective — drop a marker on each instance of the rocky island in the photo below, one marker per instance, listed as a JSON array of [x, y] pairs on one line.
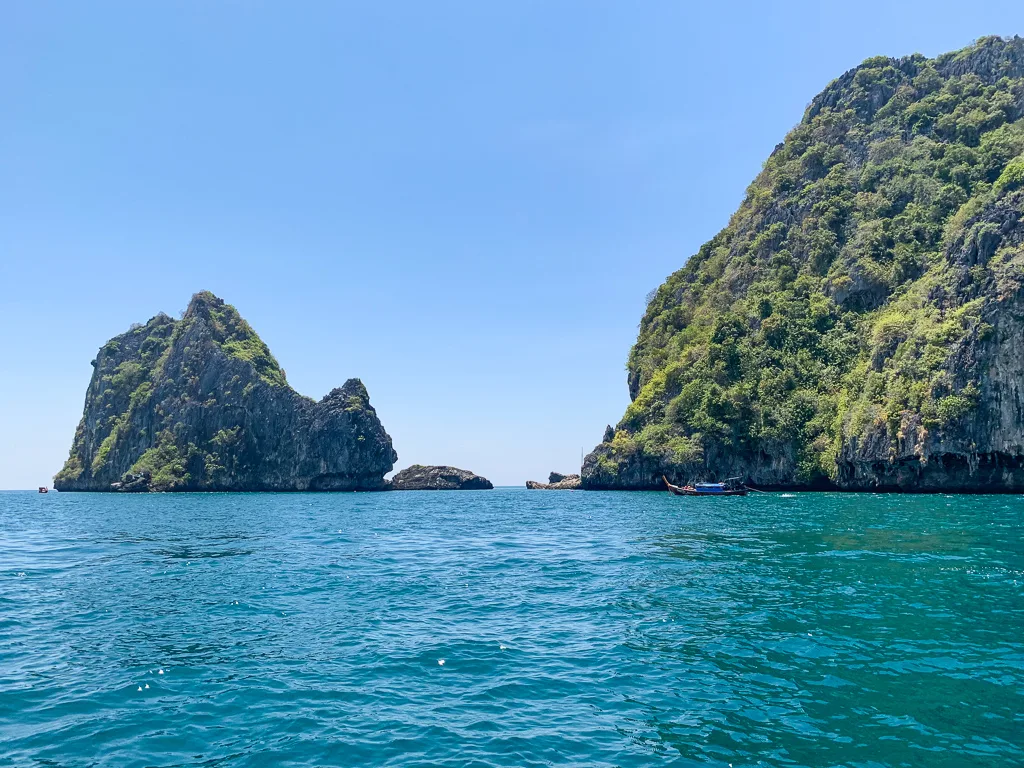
[[556, 482], [200, 404], [439, 478], [859, 323]]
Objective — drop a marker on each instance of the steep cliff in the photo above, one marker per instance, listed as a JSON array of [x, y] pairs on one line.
[[200, 404], [860, 321]]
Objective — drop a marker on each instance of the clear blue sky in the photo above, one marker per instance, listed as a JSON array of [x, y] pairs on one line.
[[462, 203]]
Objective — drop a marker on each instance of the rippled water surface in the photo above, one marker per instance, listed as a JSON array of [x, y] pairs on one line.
[[590, 629]]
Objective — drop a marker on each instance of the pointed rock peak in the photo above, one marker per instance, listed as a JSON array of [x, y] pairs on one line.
[[205, 307], [229, 330], [351, 396], [355, 388], [204, 302]]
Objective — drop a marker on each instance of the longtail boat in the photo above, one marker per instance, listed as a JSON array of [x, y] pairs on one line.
[[731, 487]]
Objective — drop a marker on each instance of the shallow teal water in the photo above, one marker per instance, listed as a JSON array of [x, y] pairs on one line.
[[590, 629]]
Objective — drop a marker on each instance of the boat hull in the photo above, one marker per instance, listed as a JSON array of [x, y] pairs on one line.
[[691, 491], [736, 492]]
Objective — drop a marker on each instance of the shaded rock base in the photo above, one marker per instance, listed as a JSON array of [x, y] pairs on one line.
[[421, 478]]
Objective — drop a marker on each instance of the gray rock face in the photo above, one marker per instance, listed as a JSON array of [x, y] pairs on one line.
[[979, 451], [556, 482], [982, 449], [421, 478], [201, 404], [857, 355], [643, 472]]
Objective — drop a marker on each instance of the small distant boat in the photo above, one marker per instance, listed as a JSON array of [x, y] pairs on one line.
[[731, 487], [43, 489]]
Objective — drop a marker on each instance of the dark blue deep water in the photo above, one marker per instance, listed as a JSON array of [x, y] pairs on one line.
[[587, 629]]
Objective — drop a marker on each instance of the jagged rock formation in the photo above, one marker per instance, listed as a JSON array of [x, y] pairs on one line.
[[200, 404], [556, 482], [420, 478], [859, 324]]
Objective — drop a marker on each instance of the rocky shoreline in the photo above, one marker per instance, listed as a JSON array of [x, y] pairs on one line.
[[556, 482]]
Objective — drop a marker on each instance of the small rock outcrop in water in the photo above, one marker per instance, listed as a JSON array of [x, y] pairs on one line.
[[556, 482], [200, 404], [859, 322], [421, 478]]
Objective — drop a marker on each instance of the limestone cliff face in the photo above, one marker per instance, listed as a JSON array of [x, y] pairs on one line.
[[982, 448], [200, 404], [859, 323]]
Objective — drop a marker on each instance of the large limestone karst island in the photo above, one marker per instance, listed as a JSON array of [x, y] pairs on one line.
[[200, 404], [859, 324]]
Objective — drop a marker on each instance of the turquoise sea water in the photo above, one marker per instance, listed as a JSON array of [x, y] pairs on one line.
[[589, 629]]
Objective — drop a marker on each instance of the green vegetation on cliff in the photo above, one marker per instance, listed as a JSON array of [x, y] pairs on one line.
[[200, 403], [128, 387], [841, 297], [238, 339]]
